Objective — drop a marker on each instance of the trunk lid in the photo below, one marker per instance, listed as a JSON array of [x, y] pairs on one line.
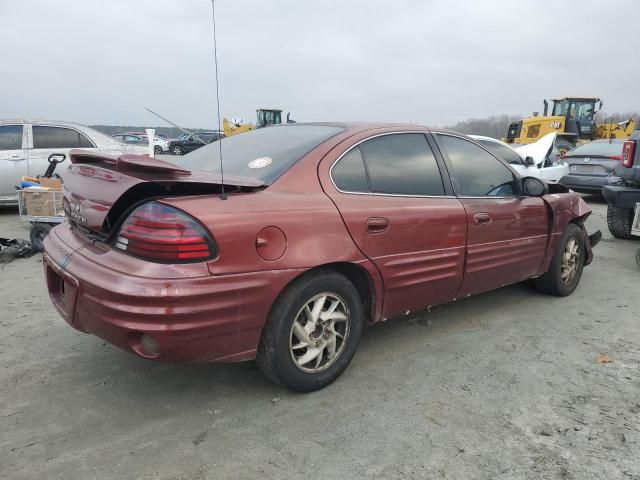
[[98, 189], [591, 165]]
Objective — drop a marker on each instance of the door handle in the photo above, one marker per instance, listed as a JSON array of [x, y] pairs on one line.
[[377, 224], [482, 219], [16, 158]]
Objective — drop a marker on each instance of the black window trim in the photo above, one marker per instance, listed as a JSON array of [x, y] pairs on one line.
[[443, 173], [68, 127], [515, 175]]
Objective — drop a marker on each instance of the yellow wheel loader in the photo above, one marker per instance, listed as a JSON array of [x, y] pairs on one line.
[[265, 118], [574, 121]]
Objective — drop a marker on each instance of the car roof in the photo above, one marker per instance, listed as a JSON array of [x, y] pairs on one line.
[[578, 99], [62, 123]]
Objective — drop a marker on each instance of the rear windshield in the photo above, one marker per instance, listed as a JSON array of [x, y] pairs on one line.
[[263, 154], [598, 148]]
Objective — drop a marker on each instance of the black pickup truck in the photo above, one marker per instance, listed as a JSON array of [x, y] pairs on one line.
[[622, 197]]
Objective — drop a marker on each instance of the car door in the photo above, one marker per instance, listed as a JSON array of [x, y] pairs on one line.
[[13, 159], [402, 215], [507, 231], [49, 139]]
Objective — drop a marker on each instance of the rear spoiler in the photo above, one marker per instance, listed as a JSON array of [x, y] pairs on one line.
[[128, 162]]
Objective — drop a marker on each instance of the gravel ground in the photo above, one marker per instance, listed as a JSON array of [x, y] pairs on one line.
[[505, 385]]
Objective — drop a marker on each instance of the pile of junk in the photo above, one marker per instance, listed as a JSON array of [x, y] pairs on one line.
[[40, 204]]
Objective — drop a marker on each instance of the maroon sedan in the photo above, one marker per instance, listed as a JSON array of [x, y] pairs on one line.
[[317, 229]]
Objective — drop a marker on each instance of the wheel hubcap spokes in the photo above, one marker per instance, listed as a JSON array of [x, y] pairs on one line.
[[570, 259], [319, 332]]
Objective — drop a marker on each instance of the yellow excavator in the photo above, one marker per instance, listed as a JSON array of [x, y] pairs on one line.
[[265, 118], [573, 119]]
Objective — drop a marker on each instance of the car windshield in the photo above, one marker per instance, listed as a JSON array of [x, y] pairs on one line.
[[575, 109], [598, 148], [263, 154]]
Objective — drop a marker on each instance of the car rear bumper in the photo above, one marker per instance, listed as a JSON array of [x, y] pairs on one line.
[[585, 183], [620, 196], [192, 318]]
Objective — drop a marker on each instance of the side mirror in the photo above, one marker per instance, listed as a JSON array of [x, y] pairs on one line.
[[534, 187], [529, 162]]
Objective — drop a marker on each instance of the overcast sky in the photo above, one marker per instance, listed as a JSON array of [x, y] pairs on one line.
[[431, 62]]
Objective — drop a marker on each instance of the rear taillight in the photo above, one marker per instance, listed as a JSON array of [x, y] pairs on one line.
[[628, 149], [161, 233]]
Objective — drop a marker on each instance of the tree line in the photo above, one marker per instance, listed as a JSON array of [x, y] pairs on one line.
[[494, 126]]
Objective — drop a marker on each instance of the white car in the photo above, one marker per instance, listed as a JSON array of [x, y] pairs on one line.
[[531, 160], [25, 147], [160, 145]]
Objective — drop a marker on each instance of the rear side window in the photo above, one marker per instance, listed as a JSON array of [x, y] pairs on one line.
[[501, 151], [10, 137], [402, 164], [59, 137], [476, 173], [349, 174]]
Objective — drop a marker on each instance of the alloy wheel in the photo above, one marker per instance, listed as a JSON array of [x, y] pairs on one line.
[[570, 258], [319, 333]]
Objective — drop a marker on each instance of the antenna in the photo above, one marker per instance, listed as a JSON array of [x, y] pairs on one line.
[[223, 195], [175, 125]]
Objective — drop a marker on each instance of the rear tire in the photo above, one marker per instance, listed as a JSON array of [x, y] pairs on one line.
[[157, 149], [566, 266], [176, 151], [291, 336], [564, 146], [619, 221], [37, 234]]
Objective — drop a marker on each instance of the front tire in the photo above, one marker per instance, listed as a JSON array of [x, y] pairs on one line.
[[312, 332], [566, 266], [619, 221]]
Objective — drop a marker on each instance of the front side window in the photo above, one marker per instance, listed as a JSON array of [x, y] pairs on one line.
[[584, 110], [59, 137], [475, 172], [10, 137], [502, 151], [402, 164]]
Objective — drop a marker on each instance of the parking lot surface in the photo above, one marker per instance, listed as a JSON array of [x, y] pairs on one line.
[[508, 384]]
